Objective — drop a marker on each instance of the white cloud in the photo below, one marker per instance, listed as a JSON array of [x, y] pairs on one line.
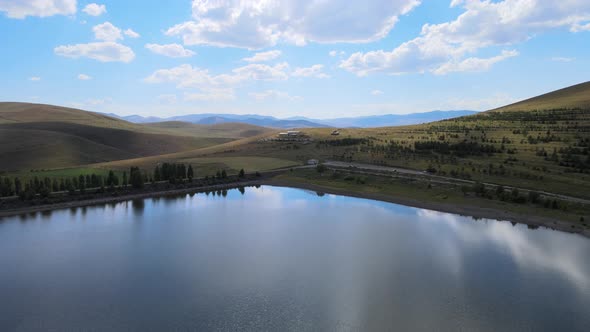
[[101, 51], [41, 8], [261, 72], [313, 71], [93, 102], [562, 59], [107, 32], [479, 104], [334, 53], [264, 56], [35, 79], [482, 24], [131, 34], [167, 99], [376, 92], [98, 102], [579, 27], [211, 95], [273, 94], [170, 50], [84, 77], [255, 24], [216, 87], [94, 9], [473, 64]]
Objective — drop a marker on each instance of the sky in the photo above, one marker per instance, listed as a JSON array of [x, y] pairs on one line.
[[320, 59]]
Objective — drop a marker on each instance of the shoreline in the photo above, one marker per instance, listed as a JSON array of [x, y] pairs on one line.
[[463, 210], [122, 198]]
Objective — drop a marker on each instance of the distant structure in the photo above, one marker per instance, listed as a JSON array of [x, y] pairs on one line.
[[335, 132], [290, 134], [313, 162]]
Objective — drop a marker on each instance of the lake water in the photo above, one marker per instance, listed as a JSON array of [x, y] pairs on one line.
[[279, 259]]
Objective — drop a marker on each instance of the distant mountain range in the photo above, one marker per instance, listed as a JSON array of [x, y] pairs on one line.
[[303, 122]]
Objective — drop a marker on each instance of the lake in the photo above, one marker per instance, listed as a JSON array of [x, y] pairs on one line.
[[280, 259]]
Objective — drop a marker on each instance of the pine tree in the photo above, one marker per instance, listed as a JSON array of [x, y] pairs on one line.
[[190, 173], [136, 178], [17, 186]]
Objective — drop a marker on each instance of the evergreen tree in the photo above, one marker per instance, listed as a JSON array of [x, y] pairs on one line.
[[17, 186], [136, 178], [242, 173], [190, 174], [157, 174], [82, 183], [124, 179], [223, 174]]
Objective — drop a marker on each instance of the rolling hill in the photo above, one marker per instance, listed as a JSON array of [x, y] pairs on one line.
[[35, 136], [546, 150], [211, 119], [576, 96], [303, 122]]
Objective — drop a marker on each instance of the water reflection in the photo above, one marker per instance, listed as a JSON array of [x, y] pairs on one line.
[[138, 206], [282, 259]]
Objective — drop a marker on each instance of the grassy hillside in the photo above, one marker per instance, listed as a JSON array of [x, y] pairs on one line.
[[26, 112], [576, 96], [36, 136], [544, 149], [222, 130]]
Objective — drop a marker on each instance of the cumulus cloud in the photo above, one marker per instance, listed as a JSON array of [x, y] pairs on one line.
[[376, 92], [255, 24], [313, 71], [482, 24], [44, 8], [101, 51], [216, 87], [107, 32], [211, 95], [264, 56], [131, 34], [473, 64], [274, 95], [94, 9], [170, 50], [84, 77], [35, 79]]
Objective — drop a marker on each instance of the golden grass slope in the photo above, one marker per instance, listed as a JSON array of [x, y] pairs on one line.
[[576, 96], [37, 136]]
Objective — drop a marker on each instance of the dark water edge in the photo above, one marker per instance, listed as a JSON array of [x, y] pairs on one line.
[[285, 259]]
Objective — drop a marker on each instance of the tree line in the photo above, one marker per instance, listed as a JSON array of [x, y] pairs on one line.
[[135, 178]]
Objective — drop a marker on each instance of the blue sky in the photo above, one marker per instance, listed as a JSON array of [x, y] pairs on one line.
[[319, 59]]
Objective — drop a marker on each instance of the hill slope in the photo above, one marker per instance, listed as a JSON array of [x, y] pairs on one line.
[[576, 96], [35, 136], [12, 112], [545, 150]]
